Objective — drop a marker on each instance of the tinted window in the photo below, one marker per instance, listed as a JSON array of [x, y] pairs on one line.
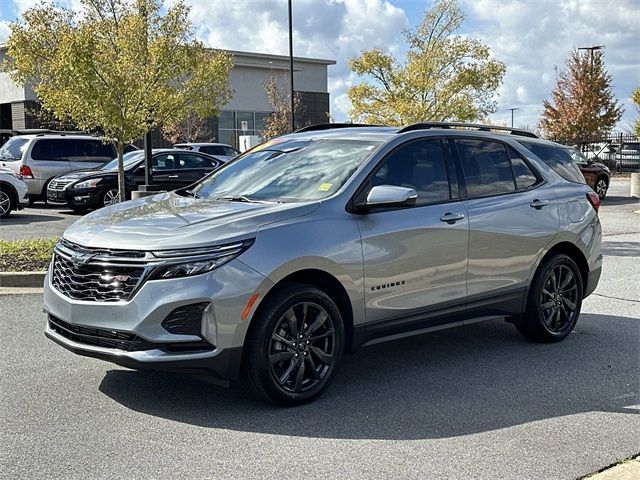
[[219, 150], [194, 161], [558, 158], [13, 149], [91, 151], [486, 167], [419, 165], [525, 177], [51, 149], [164, 161]]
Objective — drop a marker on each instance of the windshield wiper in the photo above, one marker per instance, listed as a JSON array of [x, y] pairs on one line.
[[242, 198], [192, 193]]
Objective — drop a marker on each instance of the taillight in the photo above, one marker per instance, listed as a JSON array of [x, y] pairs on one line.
[[25, 171], [594, 200]]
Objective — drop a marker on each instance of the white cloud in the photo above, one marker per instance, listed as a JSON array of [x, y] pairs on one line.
[[334, 29], [532, 37], [4, 31]]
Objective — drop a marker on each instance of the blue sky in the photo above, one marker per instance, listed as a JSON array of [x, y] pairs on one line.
[[530, 36]]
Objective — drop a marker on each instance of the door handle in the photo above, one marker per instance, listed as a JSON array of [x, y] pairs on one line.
[[538, 204], [172, 176], [451, 218]]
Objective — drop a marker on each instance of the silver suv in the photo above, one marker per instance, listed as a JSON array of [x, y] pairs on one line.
[[39, 158], [317, 243]]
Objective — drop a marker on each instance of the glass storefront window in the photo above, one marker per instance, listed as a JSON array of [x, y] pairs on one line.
[[226, 120], [244, 117]]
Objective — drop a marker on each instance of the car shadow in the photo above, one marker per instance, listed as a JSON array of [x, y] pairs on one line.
[[615, 201], [17, 218], [450, 383], [621, 249]]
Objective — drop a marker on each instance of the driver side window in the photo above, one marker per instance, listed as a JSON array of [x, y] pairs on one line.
[[419, 165]]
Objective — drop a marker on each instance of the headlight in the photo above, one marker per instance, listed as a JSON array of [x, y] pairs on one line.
[[195, 261], [87, 183]]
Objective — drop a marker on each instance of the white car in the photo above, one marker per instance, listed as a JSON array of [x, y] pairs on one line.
[[14, 194], [222, 151]]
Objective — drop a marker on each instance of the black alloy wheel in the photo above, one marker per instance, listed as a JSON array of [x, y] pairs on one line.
[[294, 346], [554, 301], [302, 347], [601, 187]]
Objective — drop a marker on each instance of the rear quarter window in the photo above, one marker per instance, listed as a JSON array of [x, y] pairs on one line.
[[558, 159]]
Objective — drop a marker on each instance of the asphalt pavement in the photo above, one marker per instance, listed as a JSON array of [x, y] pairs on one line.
[[472, 402]]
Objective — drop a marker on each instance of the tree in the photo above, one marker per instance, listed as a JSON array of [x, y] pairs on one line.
[[279, 120], [122, 67], [191, 129], [582, 103], [445, 76], [635, 97]]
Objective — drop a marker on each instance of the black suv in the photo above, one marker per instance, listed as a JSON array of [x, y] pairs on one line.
[[88, 189]]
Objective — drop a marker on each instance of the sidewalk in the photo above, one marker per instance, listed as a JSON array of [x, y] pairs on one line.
[[629, 470]]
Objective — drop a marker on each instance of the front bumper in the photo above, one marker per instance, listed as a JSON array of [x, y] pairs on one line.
[[227, 289], [79, 198]]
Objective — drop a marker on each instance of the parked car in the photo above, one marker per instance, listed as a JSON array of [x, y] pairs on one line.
[[39, 158], [628, 157], [96, 188], [13, 192], [317, 243], [218, 150], [596, 174]]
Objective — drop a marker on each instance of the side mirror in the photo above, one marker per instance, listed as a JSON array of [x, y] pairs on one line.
[[382, 196]]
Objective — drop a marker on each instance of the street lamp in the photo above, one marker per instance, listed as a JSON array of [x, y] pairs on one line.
[[293, 122], [512, 110]]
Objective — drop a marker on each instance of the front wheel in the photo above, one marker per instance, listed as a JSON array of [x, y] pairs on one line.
[[292, 354], [109, 197], [554, 302]]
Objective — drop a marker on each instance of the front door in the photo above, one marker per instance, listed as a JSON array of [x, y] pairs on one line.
[[415, 259]]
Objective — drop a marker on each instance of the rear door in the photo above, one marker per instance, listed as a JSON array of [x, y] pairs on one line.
[[415, 258], [193, 167], [166, 171], [48, 158], [513, 215]]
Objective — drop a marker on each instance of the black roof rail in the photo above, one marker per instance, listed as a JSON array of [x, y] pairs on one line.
[[476, 126], [329, 126]]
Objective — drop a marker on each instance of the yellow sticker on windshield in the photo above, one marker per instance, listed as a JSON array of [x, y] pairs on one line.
[[325, 187]]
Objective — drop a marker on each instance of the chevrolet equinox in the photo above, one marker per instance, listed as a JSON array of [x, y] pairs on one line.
[[314, 244]]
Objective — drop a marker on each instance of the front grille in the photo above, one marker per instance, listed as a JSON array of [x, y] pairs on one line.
[[117, 339], [59, 184], [100, 337], [97, 282]]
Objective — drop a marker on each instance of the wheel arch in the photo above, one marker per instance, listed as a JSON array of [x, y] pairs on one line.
[[572, 251], [323, 281], [13, 195]]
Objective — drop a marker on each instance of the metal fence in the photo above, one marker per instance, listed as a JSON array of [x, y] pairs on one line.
[[620, 152]]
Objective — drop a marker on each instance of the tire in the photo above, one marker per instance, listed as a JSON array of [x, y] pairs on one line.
[[601, 186], [280, 371], [107, 196], [6, 202], [553, 306]]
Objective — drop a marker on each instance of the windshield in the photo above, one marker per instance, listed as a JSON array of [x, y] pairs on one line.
[[129, 159], [577, 156], [288, 170], [13, 149]]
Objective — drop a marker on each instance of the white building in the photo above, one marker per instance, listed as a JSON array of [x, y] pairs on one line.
[[249, 103]]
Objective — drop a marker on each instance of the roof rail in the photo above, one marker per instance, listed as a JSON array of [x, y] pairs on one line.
[[329, 126], [476, 126]]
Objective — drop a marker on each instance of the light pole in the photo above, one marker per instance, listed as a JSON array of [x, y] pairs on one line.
[[293, 121], [592, 49], [512, 110]]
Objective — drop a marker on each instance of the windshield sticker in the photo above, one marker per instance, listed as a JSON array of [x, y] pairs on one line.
[[325, 187]]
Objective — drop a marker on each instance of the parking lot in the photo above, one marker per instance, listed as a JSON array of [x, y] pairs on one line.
[[471, 402]]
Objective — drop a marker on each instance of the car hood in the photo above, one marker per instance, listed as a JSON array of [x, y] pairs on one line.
[[78, 174], [170, 221]]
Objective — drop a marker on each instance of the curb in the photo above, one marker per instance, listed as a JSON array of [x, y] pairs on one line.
[[22, 279]]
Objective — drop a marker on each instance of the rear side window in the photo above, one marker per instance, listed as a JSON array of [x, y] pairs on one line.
[[218, 150], [419, 165], [194, 161], [92, 150], [486, 167], [523, 174], [13, 149], [558, 159], [53, 149]]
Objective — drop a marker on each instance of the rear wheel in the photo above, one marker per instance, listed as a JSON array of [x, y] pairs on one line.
[[292, 354], [6, 203], [554, 301], [601, 187]]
